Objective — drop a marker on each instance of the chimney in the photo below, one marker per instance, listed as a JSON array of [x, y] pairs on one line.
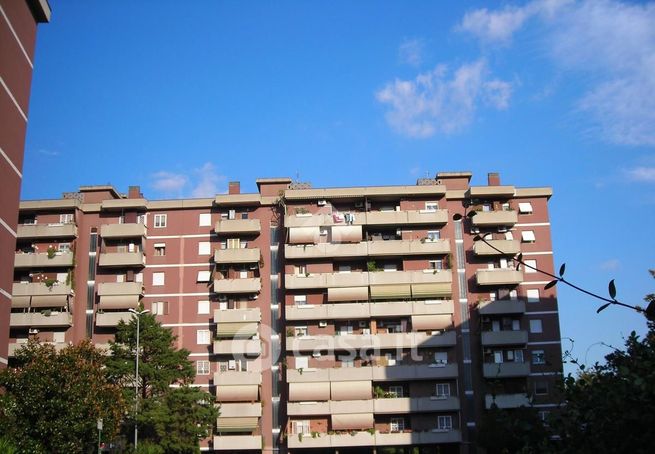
[[493, 179], [134, 192], [234, 187]]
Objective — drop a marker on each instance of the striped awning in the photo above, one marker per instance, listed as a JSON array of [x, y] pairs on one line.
[[351, 390], [346, 233], [430, 322], [300, 235], [430, 290], [309, 391], [237, 393], [49, 300], [118, 301], [242, 424], [390, 291], [242, 330], [348, 294], [352, 421], [20, 301]]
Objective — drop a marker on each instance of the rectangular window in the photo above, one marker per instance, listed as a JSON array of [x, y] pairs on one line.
[[202, 367], [300, 331], [505, 206], [300, 427], [434, 235], [159, 308], [204, 248], [527, 236], [509, 236], [233, 243], [160, 221], [397, 425], [441, 357], [531, 265], [540, 387], [205, 220], [302, 362], [538, 357], [442, 390], [431, 206], [536, 326], [445, 423], [396, 391], [346, 360], [204, 276], [343, 269], [160, 249], [525, 208], [203, 337], [436, 264], [158, 278], [66, 218], [300, 299], [59, 337], [203, 307], [533, 295], [64, 247]]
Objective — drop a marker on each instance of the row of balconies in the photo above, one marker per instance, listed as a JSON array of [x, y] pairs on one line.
[[45, 318], [386, 406], [400, 372], [65, 259], [29, 231], [324, 440], [365, 278], [409, 217], [366, 341], [367, 248], [367, 310], [490, 338]]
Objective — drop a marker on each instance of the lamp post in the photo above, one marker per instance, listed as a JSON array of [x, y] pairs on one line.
[[136, 374]]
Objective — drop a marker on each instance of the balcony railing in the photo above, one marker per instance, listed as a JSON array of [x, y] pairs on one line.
[[241, 255], [112, 319], [41, 260], [499, 276], [506, 247], [237, 442], [120, 288], [491, 218], [504, 338], [505, 370], [376, 373], [233, 377], [341, 311], [15, 346], [364, 278], [361, 439], [40, 319], [249, 226], [129, 230], [498, 307], [27, 231], [120, 259], [416, 217], [40, 289], [245, 285], [237, 347], [507, 400], [395, 405], [379, 341]]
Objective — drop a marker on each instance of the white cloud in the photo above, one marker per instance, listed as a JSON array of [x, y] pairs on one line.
[[609, 43], [411, 52], [439, 102], [646, 174], [47, 152], [207, 181], [610, 265], [168, 182]]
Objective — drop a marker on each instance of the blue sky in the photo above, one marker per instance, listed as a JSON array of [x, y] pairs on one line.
[[547, 92]]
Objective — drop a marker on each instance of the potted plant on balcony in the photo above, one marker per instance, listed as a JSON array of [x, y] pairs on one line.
[[51, 252]]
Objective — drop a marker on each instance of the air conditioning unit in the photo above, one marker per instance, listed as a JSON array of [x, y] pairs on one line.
[[33, 331], [316, 354], [322, 324], [502, 229], [322, 203], [475, 230], [232, 364]]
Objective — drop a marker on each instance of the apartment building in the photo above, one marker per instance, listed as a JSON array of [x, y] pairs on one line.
[[18, 24], [323, 320]]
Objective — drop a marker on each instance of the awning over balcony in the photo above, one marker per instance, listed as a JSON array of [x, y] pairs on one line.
[[390, 291], [352, 390], [352, 421], [243, 424], [346, 233], [348, 294], [236, 329], [430, 322], [300, 235], [118, 301], [49, 300], [20, 301], [237, 393], [431, 290], [309, 391]]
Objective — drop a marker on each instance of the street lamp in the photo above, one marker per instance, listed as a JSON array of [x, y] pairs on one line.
[[136, 374]]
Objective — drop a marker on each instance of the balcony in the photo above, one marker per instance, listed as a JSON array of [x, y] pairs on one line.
[[499, 307], [122, 259], [237, 442], [496, 247], [40, 289], [242, 255], [241, 409], [505, 370], [410, 277], [420, 438], [375, 373], [244, 226], [245, 285], [407, 247], [15, 346], [415, 217], [129, 230], [345, 311], [499, 276], [415, 405], [493, 218], [28, 231], [112, 319], [359, 341], [237, 315], [325, 250], [120, 288], [40, 319], [507, 400], [504, 338], [233, 377], [363, 278], [361, 439], [237, 347], [41, 260]]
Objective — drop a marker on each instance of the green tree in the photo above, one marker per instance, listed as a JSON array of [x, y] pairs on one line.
[[173, 417], [50, 401], [517, 430]]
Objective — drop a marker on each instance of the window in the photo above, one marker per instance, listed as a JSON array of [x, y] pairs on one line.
[[544, 415], [203, 307], [158, 278], [390, 267], [204, 248], [233, 243], [442, 390], [486, 207], [203, 337], [434, 235], [302, 362], [531, 265], [300, 427], [538, 357], [536, 326], [445, 422], [436, 264], [202, 367], [300, 299], [527, 236], [392, 358], [397, 425], [159, 308], [441, 357], [509, 236], [431, 206], [518, 355], [525, 208], [204, 276], [343, 269], [66, 218], [300, 331], [160, 249], [160, 221], [59, 337], [138, 277], [64, 247], [346, 360], [505, 206], [205, 219], [396, 391], [533, 295], [300, 270], [541, 387]]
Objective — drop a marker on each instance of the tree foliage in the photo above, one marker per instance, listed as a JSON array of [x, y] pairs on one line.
[[50, 402], [513, 431]]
